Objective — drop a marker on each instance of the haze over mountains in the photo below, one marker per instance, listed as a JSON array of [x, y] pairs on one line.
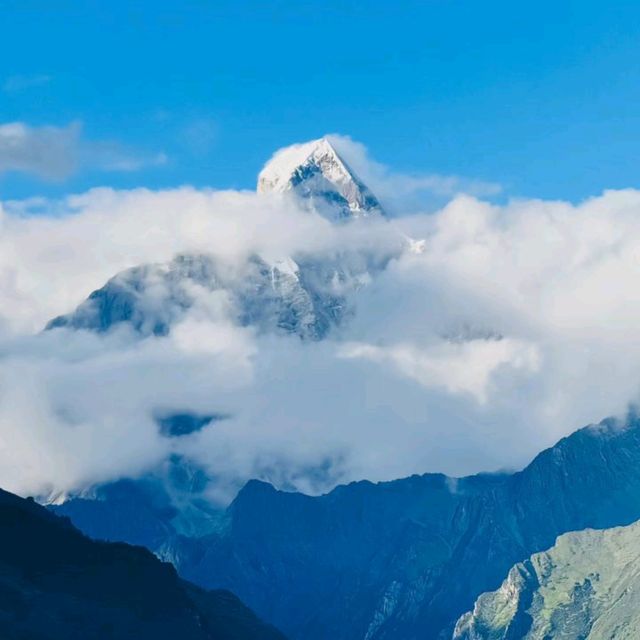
[[393, 560], [213, 396]]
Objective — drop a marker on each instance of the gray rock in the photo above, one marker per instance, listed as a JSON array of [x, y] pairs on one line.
[[307, 297]]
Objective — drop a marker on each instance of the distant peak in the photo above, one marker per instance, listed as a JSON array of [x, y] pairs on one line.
[[276, 174], [315, 172]]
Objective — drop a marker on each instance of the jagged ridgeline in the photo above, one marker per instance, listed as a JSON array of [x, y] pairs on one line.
[[400, 559], [304, 295], [315, 173]]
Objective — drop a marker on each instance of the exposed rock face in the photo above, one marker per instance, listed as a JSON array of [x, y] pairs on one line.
[[405, 559], [56, 583], [586, 587], [304, 295], [154, 511], [316, 174], [306, 298]]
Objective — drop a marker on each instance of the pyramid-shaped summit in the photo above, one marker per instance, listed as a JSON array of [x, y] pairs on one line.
[[315, 172]]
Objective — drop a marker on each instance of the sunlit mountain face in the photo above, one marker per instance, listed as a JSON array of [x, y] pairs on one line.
[[304, 294], [315, 173]]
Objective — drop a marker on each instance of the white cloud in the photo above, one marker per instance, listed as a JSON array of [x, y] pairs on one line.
[[199, 135], [55, 153], [50, 263], [457, 367], [403, 193], [501, 330]]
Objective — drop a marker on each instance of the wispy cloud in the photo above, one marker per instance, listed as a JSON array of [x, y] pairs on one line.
[[20, 83], [49, 152], [199, 135], [111, 156], [56, 152], [403, 192]]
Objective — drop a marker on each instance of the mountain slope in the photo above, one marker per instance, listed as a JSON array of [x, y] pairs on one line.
[[306, 295], [586, 587], [56, 583], [154, 511], [305, 298], [405, 559], [315, 173]]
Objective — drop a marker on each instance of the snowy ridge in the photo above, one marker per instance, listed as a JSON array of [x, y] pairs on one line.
[[315, 172], [307, 297]]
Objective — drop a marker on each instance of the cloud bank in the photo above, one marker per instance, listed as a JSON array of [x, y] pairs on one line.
[[497, 330]]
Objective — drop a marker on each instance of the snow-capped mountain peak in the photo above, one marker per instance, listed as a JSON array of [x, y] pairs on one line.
[[315, 172]]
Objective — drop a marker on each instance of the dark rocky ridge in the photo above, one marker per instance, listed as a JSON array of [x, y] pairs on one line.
[[55, 583], [404, 559]]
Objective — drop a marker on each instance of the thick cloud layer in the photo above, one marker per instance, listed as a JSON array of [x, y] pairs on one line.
[[496, 331]]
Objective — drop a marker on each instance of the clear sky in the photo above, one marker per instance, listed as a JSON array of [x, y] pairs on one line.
[[541, 97]]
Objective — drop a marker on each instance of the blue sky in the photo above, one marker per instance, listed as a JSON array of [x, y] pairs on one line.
[[539, 97]]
